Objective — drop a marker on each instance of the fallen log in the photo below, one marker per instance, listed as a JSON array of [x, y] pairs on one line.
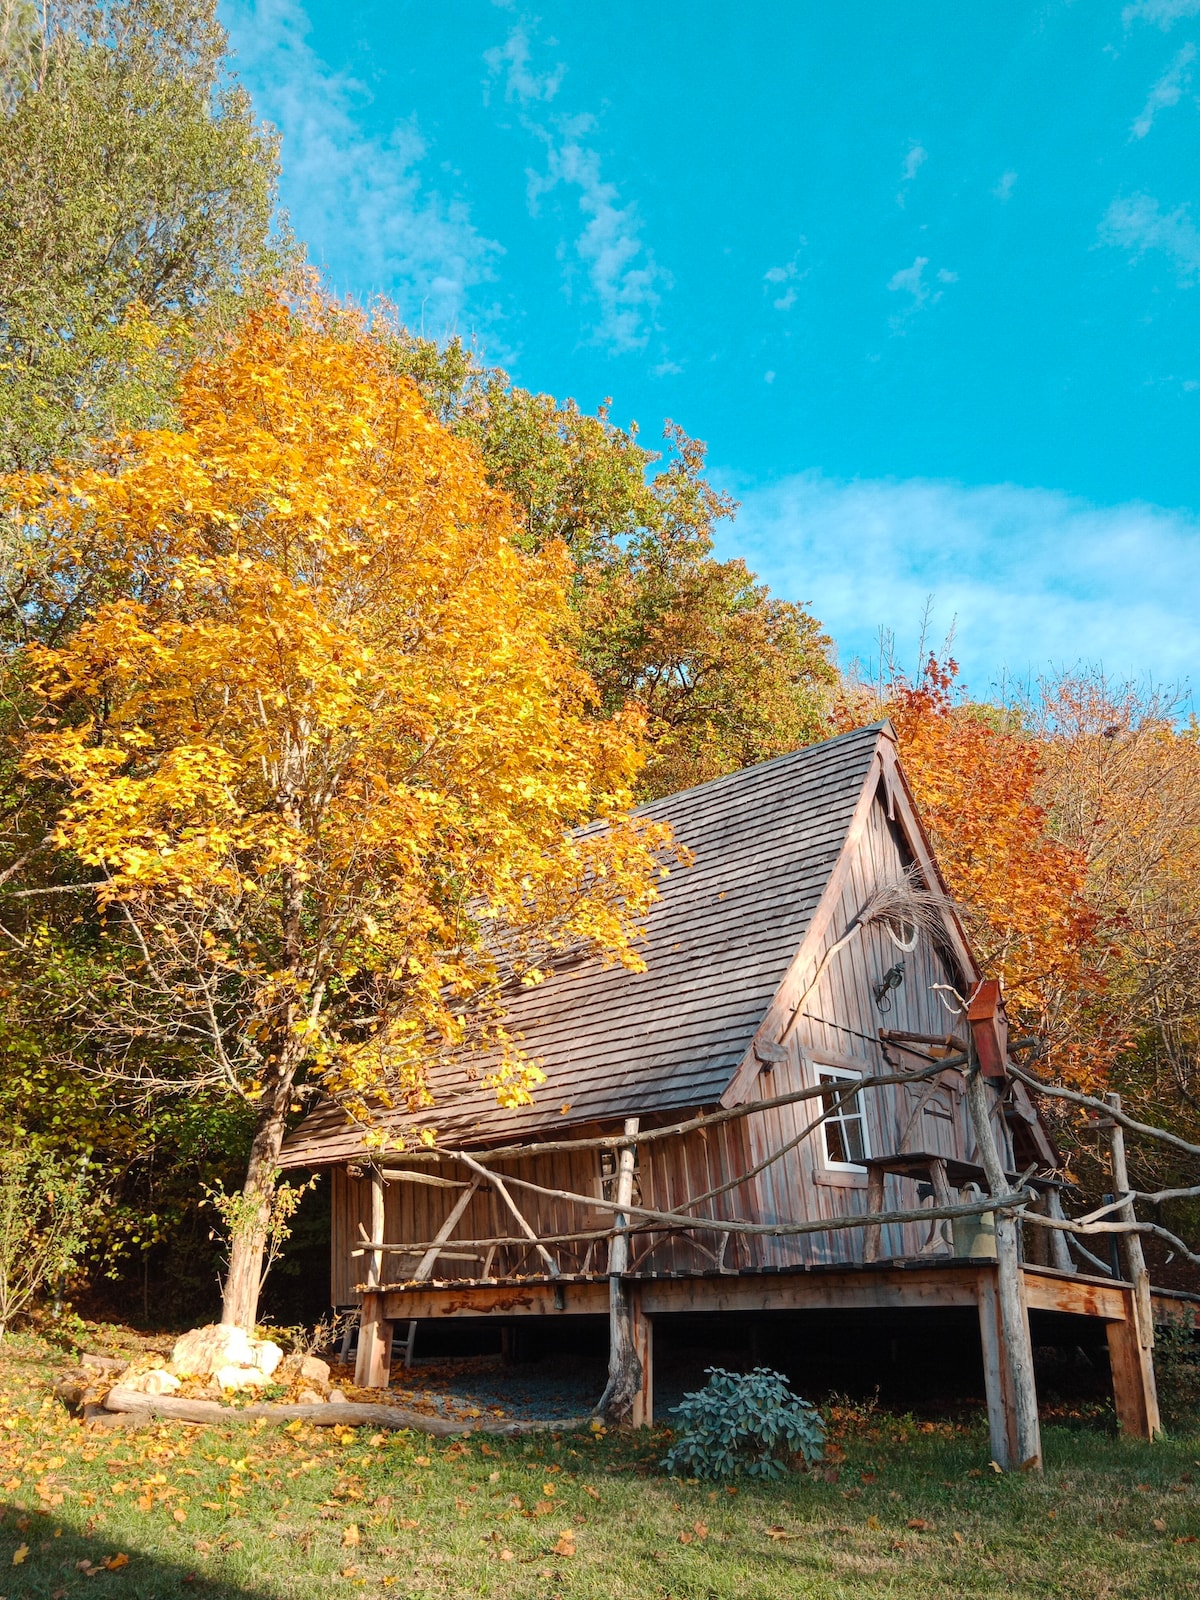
[[351, 1414]]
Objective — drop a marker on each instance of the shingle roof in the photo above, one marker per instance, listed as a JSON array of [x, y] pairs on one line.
[[718, 943]]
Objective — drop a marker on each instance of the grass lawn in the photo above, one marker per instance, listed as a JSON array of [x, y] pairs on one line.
[[907, 1510]]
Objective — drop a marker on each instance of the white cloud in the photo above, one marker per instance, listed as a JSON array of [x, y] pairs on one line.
[[914, 160], [361, 204], [1166, 13], [621, 271], [1005, 185], [1166, 92], [912, 281], [789, 274], [1137, 225], [512, 61], [1028, 577]]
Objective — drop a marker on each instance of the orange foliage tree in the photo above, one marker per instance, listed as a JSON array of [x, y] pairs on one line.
[[979, 777], [319, 739]]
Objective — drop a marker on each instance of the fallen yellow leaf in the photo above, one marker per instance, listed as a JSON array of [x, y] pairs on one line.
[[566, 1543], [350, 1536], [115, 1563], [19, 1554]]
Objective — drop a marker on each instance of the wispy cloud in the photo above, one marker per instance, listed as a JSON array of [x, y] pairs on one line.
[[1166, 13], [622, 275], [914, 160], [1166, 92], [1027, 577], [921, 290], [1137, 224], [1005, 186], [781, 281], [363, 205]]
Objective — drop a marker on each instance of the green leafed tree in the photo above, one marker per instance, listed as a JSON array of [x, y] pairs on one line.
[[137, 193]]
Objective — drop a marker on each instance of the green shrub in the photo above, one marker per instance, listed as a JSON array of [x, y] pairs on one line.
[[744, 1422], [1177, 1370], [46, 1214]]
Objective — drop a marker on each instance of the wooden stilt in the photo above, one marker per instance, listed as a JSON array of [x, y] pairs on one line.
[[997, 1374], [1147, 1423], [1132, 1396], [624, 1361], [1016, 1347], [373, 1366], [642, 1414]]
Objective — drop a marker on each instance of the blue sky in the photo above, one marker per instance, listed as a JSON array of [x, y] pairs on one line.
[[925, 276]]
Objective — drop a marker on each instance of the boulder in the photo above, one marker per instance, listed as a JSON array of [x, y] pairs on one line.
[[314, 1370], [215, 1348], [336, 1397], [157, 1381], [310, 1397], [241, 1378]]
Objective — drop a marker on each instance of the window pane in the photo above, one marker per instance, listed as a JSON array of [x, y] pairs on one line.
[[835, 1147], [852, 1136]]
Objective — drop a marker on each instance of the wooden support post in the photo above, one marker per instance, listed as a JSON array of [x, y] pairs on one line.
[[624, 1359], [642, 1413], [1133, 1397], [1020, 1444], [874, 1207], [997, 1373], [373, 1366], [1148, 1423]]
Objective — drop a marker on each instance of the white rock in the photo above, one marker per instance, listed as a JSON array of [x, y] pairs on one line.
[[241, 1378], [216, 1347], [156, 1381], [160, 1381], [336, 1397], [267, 1355], [310, 1397], [314, 1370]]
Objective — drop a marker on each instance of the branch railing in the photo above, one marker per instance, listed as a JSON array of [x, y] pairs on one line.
[[635, 1220]]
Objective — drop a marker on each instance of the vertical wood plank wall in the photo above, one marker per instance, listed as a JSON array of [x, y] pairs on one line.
[[838, 1027]]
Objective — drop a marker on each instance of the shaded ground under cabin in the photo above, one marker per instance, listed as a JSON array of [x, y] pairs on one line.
[[793, 1112]]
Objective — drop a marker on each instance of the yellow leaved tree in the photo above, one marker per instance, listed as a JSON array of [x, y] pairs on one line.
[[323, 747]]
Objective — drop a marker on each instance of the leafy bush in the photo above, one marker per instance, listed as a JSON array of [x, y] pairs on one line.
[[1177, 1371], [46, 1214], [747, 1422]]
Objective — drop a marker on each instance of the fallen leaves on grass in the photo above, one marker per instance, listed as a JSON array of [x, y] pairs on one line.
[[566, 1543], [351, 1536], [19, 1554]]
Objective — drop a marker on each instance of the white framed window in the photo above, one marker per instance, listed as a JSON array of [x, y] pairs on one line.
[[844, 1131]]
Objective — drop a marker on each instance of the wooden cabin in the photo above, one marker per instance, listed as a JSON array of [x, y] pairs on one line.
[[810, 945]]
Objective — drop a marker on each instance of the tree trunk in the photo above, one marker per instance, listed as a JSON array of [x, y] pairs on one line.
[[248, 1235]]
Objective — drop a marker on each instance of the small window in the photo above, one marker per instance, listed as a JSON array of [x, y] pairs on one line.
[[845, 1128]]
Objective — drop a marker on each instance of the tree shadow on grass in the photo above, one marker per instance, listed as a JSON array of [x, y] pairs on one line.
[[44, 1558]]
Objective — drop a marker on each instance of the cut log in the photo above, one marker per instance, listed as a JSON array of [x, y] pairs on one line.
[[353, 1414]]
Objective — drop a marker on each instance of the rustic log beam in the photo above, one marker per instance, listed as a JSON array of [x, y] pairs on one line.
[[1018, 1443], [713, 1119], [655, 1221], [1093, 1104]]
